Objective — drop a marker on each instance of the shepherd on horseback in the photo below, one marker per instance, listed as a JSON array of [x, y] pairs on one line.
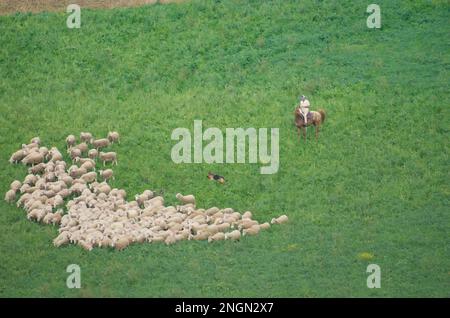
[[304, 107], [302, 121]]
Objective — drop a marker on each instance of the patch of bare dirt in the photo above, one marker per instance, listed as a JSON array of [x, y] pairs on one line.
[[13, 6]]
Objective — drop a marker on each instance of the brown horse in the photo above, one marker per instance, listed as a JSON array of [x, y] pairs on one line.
[[317, 119]]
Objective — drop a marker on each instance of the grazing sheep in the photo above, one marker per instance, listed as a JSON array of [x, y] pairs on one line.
[[15, 185], [185, 199], [170, 239], [70, 141], [58, 201], [212, 211], [30, 148], [247, 215], [61, 239], [103, 188], [10, 196], [149, 194], [17, 156], [33, 158], [121, 243], [23, 199], [253, 230], [100, 143], [223, 226], [68, 180], [44, 151], [82, 161], [57, 217], [47, 218], [219, 236], [55, 155], [234, 235], [85, 136], [88, 165], [74, 153], [113, 136], [30, 179], [108, 157], [107, 174], [227, 211], [98, 216], [201, 236], [64, 193], [83, 147], [36, 140], [265, 226], [105, 242], [78, 172], [246, 223], [93, 153], [280, 220], [39, 168], [119, 193], [85, 245]]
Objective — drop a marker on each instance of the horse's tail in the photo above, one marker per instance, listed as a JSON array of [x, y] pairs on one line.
[[322, 114]]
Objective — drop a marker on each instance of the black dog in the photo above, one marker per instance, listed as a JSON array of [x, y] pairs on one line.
[[212, 176]]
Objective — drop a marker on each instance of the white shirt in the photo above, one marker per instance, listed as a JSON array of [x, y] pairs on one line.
[[304, 105]]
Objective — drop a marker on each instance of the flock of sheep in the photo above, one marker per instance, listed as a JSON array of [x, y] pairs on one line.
[[99, 216]]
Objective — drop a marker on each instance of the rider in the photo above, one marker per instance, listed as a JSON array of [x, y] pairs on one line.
[[304, 107]]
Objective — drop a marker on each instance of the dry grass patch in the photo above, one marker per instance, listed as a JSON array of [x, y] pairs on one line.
[[12, 6]]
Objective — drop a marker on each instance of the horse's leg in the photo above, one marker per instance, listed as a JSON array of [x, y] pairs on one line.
[[317, 131], [304, 132], [298, 133]]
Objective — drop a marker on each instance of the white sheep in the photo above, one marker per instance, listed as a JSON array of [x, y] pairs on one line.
[[55, 155], [44, 151], [113, 136], [61, 239], [219, 236], [120, 243], [202, 235], [74, 153], [280, 220], [15, 185], [30, 179], [39, 168], [106, 174], [85, 245], [253, 230], [35, 140], [247, 215], [78, 172], [70, 141], [93, 153], [100, 143], [108, 157], [85, 136], [212, 211], [58, 201], [83, 147], [233, 235], [265, 226], [33, 158], [17, 156], [88, 165], [185, 199], [246, 223], [10, 196]]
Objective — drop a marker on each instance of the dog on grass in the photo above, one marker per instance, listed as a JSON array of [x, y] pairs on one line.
[[212, 176]]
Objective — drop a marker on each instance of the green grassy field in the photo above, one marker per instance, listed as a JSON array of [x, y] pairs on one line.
[[376, 182]]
